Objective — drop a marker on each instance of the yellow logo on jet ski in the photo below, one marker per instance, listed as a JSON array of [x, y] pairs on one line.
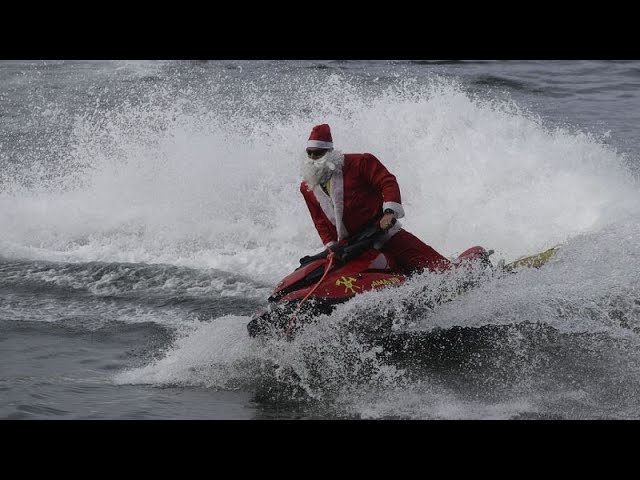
[[348, 284], [384, 282]]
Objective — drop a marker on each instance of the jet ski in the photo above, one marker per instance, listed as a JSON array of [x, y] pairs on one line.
[[335, 276]]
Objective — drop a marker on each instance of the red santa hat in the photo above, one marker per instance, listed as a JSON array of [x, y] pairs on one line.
[[320, 137]]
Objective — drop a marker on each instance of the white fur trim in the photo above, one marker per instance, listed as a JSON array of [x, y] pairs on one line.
[[319, 144], [396, 207], [337, 197], [333, 206], [325, 203]]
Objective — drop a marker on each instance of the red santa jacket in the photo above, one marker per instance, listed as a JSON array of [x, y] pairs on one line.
[[359, 192]]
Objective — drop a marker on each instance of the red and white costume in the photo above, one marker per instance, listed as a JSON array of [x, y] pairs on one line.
[[359, 189], [358, 192]]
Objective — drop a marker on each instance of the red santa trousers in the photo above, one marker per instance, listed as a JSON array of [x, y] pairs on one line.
[[413, 255]]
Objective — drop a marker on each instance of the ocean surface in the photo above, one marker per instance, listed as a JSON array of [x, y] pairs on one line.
[[147, 209]]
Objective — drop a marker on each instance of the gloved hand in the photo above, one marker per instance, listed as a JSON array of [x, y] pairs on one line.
[[337, 249]]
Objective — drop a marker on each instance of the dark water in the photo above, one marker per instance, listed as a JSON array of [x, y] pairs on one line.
[[147, 209]]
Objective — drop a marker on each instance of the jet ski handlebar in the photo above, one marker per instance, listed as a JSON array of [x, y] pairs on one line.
[[352, 246]]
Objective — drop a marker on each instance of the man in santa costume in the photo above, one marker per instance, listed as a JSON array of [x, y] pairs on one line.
[[346, 191]]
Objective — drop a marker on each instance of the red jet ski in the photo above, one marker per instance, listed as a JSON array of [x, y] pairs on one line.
[[333, 277]]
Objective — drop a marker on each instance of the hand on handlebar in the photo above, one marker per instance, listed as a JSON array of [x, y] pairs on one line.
[[387, 221], [337, 249]]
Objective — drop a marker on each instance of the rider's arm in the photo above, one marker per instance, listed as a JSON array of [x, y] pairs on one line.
[[383, 181]]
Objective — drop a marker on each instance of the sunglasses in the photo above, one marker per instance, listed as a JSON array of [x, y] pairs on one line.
[[316, 153]]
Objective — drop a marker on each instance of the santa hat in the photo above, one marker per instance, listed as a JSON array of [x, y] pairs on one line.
[[320, 137]]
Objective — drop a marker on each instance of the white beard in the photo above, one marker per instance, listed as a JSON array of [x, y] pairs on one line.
[[317, 172]]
